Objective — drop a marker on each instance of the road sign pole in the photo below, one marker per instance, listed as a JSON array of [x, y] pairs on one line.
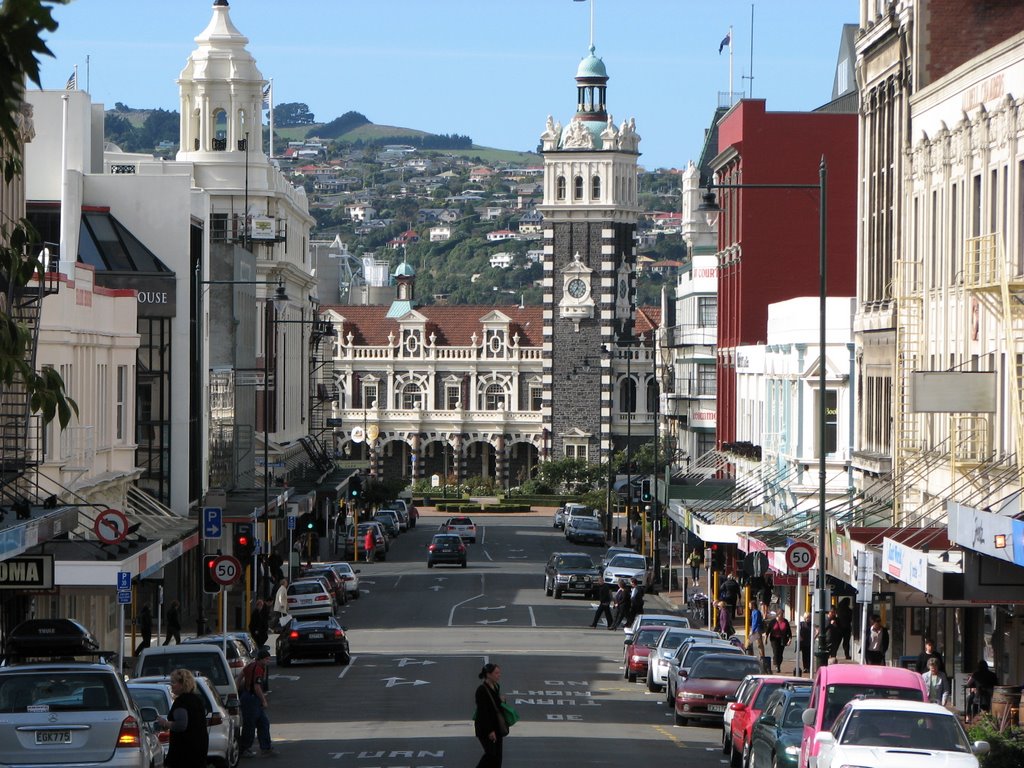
[[120, 635], [224, 623], [798, 615]]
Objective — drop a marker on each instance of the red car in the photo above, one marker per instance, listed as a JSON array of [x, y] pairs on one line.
[[638, 651], [750, 700], [701, 695]]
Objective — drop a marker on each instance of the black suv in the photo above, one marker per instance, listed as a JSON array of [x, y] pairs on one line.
[[571, 572]]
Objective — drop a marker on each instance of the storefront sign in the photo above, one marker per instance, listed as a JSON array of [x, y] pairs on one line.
[[979, 530], [906, 564], [27, 572]]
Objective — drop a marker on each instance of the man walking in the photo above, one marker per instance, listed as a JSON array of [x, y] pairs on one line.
[[636, 600], [145, 624], [876, 642], [173, 623], [259, 623], [621, 603], [604, 601], [254, 707]]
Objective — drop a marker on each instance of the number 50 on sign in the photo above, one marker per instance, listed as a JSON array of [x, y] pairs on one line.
[[800, 557]]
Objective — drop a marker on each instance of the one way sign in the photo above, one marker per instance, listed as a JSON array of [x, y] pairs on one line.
[[213, 522]]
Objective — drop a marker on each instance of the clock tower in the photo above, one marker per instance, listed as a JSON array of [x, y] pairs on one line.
[[590, 211]]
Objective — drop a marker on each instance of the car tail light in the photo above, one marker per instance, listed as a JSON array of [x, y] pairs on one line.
[[321, 598], [338, 633], [216, 719], [293, 600], [293, 635], [236, 663], [432, 547], [129, 735], [461, 548], [164, 737]]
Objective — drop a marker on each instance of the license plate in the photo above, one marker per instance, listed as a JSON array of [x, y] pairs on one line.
[[716, 708], [316, 635], [53, 737]]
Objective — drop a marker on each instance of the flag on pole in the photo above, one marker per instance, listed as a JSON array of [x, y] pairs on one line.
[[72, 84], [727, 40], [268, 95]]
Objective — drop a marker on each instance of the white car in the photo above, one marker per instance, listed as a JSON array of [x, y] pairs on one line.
[[348, 575], [887, 733], [662, 653], [224, 730], [310, 597], [463, 526], [628, 566]]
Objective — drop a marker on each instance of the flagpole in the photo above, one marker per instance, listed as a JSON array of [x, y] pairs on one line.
[[271, 118], [76, 77], [64, 190], [592, 23], [88, 74], [730, 66]]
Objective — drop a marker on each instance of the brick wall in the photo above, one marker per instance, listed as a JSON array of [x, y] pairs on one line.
[[955, 31]]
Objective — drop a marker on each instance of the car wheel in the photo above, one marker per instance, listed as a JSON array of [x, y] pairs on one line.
[[234, 752], [342, 658], [775, 761], [670, 699], [558, 594], [547, 587], [735, 756], [216, 762], [726, 741], [748, 756], [429, 564], [463, 563], [283, 661], [680, 720], [652, 686], [631, 677]]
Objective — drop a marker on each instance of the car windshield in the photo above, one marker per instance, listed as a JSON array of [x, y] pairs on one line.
[[60, 691], [725, 669], [305, 588], [697, 651], [587, 522], [648, 636], [150, 697], [460, 521], [633, 562], [838, 696], [342, 568], [907, 730], [795, 712], [671, 640], [207, 664], [574, 561]]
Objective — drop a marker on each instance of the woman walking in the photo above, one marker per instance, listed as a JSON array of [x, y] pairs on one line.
[[489, 724], [189, 740]]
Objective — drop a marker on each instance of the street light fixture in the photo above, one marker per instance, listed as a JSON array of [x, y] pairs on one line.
[[711, 210]]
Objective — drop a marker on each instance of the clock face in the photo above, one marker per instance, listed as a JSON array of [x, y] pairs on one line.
[[577, 288]]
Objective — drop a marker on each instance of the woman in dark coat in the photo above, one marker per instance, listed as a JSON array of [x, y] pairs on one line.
[[489, 726], [189, 739]]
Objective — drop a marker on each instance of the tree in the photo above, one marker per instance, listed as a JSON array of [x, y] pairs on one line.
[[22, 23], [292, 113]]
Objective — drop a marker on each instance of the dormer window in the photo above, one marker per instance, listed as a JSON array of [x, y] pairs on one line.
[[577, 188], [595, 188], [560, 188]]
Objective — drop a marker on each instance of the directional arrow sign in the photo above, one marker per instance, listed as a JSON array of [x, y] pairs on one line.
[[406, 661], [492, 621], [491, 608], [213, 523], [393, 681], [435, 588]]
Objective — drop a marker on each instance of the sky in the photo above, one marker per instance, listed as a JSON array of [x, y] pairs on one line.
[[490, 69]]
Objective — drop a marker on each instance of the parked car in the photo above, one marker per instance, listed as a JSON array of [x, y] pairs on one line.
[[338, 590], [751, 697], [463, 526], [666, 619], [224, 730], [896, 734], [775, 737], [311, 639], [310, 598], [562, 513], [570, 572], [612, 552], [685, 656], [701, 694], [669, 641], [351, 550], [585, 530], [627, 566], [237, 653], [348, 575], [402, 511], [407, 510], [837, 684], [446, 548], [390, 520], [638, 651], [202, 658]]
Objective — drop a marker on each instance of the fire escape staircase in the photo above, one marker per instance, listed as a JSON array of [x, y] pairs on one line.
[[908, 292], [323, 392]]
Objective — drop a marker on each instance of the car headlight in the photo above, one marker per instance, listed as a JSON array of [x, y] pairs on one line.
[[560, 578], [637, 659], [688, 695], [792, 750]]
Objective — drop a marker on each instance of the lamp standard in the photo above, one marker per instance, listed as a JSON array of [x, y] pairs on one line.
[[710, 208]]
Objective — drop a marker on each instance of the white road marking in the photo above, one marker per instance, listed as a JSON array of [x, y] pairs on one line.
[[393, 681]]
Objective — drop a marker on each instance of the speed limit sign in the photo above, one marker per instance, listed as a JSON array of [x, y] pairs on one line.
[[226, 570], [800, 557]]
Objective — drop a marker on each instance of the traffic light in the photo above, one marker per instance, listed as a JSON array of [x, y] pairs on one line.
[[210, 587], [306, 522], [355, 487], [645, 490], [717, 558], [245, 542]]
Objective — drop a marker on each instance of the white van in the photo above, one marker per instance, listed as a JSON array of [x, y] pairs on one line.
[[206, 660]]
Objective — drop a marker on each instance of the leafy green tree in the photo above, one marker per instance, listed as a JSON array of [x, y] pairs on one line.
[[22, 23], [292, 113]]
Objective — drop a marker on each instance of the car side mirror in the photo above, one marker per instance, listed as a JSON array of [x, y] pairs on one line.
[[766, 719], [809, 716], [739, 706], [357, 570], [214, 719], [730, 697], [980, 747], [824, 739], [150, 715]]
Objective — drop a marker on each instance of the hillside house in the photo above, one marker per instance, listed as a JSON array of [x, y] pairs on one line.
[[440, 233], [498, 235], [501, 260]]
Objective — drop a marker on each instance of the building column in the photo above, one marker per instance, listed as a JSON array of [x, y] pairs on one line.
[[460, 458], [501, 463]]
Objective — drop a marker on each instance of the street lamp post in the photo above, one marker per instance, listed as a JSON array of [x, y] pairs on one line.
[[711, 209]]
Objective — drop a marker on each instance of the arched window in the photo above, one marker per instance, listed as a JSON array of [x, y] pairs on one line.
[[494, 397], [627, 396], [220, 130], [595, 188], [412, 396], [560, 188], [577, 188]]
